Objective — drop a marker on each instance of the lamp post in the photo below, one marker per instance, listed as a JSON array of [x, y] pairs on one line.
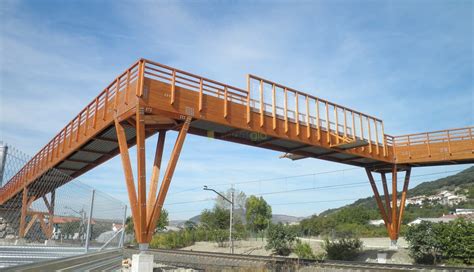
[[231, 201]]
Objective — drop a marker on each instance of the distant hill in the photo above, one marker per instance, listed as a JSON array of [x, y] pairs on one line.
[[285, 219], [276, 218], [462, 179]]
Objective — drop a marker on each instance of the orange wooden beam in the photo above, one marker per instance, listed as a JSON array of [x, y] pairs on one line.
[[127, 168], [158, 205], [160, 145]]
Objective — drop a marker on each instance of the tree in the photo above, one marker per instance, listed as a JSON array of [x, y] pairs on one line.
[[280, 239], [217, 218], [161, 223], [258, 213], [431, 243]]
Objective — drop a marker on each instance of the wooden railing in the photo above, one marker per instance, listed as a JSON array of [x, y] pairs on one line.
[[80, 125], [437, 143], [202, 85], [281, 102]]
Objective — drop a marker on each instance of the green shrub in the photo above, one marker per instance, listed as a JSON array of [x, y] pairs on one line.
[[280, 239], [303, 250], [452, 243], [345, 249], [172, 240]]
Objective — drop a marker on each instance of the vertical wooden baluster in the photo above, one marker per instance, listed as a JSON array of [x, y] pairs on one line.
[[409, 147], [285, 105], [307, 119], [225, 101], [173, 86], [70, 132], [78, 127], [200, 95], [127, 88], [370, 135], [274, 107], [384, 141], [449, 143], [376, 136], [428, 144], [353, 130], [117, 88], [318, 126], [345, 123], [328, 125], [87, 120], [96, 111], [336, 124], [106, 101], [361, 129], [297, 114], [248, 99], [262, 104]]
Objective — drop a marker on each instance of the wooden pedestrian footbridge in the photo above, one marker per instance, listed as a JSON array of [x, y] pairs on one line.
[[150, 98]]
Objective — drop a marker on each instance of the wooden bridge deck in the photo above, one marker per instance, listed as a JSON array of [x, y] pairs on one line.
[[265, 114]]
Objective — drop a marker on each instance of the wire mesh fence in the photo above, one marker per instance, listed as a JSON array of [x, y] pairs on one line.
[[60, 211]]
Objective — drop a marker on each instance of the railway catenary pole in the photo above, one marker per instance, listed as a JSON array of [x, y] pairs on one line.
[[231, 242]]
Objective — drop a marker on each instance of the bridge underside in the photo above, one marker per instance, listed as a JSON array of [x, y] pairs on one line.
[[151, 98]]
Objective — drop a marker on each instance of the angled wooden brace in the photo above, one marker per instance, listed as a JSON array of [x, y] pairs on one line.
[[404, 197], [160, 145], [377, 198], [386, 196], [158, 204], [127, 169]]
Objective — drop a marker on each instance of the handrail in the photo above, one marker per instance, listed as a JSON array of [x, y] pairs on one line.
[[45, 155]]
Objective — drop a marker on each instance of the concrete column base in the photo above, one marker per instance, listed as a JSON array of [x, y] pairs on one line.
[[49, 242], [142, 262], [393, 244], [20, 242]]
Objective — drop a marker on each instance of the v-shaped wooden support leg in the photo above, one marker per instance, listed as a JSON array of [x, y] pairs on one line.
[[145, 212], [392, 214]]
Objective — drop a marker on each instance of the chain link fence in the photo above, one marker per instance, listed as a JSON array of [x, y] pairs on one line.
[[62, 214]]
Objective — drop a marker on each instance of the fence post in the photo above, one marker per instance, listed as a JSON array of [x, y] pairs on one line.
[[89, 220], [122, 235]]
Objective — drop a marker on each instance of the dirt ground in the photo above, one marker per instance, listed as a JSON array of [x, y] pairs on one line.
[[372, 246]]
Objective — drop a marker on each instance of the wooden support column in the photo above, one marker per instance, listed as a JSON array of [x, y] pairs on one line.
[[158, 204], [394, 203], [160, 145], [141, 169]]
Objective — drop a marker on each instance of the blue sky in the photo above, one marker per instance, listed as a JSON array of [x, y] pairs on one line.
[[409, 63]]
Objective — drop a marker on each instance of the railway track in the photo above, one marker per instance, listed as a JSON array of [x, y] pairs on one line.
[[273, 262], [110, 260]]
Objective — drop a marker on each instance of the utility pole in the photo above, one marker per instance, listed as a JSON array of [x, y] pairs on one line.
[[231, 201]]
